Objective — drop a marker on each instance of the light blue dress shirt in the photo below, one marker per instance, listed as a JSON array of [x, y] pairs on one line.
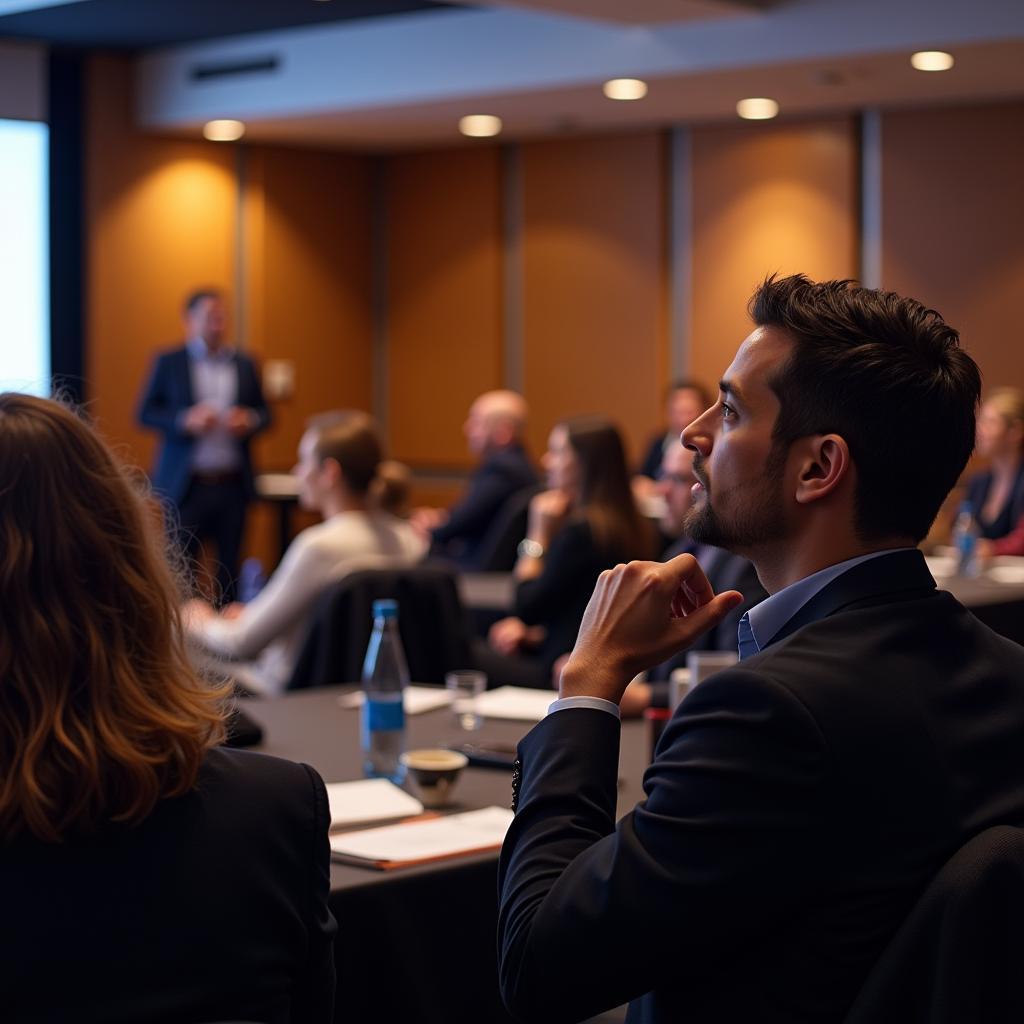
[[758, 626], [214, 383]]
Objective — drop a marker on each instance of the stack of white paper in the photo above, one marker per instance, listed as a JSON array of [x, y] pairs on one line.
[[432, 839], [415, 700], [369, 800], [516, 702]]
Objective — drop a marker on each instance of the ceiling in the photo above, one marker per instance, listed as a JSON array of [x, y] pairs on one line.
[[145, 24], [386, 74]]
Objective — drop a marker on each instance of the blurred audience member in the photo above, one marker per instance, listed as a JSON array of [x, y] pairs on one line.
[[996, 495], [338, 459], [684, 402], [123, 823], [586, 522], [390, 489], [205, 399], [494, 432], [724, 570]]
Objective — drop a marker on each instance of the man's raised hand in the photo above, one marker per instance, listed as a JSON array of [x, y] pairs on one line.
[[639, 615]]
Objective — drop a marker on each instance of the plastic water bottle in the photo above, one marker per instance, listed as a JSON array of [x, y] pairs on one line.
[[965, 540], [250, 579], [385, 677]]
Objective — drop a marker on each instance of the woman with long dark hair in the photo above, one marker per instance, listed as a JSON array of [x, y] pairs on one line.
[[145, 873], [586, 522]]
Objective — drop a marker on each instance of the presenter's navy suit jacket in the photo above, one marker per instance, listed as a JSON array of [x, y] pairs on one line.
[[168, 394], [798, 805]]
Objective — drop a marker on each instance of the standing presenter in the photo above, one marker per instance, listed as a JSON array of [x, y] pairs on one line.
[[204, 397]]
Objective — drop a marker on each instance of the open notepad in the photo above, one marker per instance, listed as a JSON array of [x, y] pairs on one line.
[[419, 842], [369, 800]]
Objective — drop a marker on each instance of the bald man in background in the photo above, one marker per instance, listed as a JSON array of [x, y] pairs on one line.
[[494, 432]]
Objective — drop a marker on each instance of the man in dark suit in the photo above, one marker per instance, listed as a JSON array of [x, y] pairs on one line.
[[799, 802], [494, 433], [206, 401]]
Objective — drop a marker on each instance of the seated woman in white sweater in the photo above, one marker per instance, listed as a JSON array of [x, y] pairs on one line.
[[338, 458]]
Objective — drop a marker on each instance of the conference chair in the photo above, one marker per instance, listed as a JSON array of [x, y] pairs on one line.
[[498, 549], [957, 958], [431, 621]]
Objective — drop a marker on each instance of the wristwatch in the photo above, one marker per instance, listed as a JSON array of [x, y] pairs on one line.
[[530, 548]]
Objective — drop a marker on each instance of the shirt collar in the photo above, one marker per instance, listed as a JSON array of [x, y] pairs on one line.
[[768, 617]]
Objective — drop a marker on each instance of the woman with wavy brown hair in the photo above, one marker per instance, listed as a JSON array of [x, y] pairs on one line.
[[120, 819]]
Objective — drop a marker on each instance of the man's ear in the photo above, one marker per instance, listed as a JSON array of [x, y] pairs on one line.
[[825, 465], [331, 468]]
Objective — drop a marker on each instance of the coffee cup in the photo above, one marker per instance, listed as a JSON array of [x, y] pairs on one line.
[[434, 773]]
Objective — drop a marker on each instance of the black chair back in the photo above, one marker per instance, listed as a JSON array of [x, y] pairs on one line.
[[957, 958], [431, 620], [498, 549]]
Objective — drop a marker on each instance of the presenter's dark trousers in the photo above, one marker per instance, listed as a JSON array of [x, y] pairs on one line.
[[213, 509]]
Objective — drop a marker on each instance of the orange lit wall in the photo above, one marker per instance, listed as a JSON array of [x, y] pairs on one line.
[[444, 298], [766, 198], [954, 223], [309, 283], [594, 264]]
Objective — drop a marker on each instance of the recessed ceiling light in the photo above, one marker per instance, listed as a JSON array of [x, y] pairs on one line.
[[223, 131], [757, 108], [932, 60], [624, 89], [480, 126]]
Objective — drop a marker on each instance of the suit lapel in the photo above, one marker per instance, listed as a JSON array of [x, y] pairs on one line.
[[183, 369], [901, 573]]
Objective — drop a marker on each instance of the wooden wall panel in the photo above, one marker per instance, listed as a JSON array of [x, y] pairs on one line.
[[444, 298], [953, 221], [160, 220], [594, 248], [766, 198], [308, 223]]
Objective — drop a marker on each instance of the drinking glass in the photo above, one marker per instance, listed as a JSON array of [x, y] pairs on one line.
[[465, 685]]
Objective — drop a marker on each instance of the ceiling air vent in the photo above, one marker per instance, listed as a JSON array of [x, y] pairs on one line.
[[225, 69]]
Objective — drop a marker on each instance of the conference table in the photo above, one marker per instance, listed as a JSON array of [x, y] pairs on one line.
[[416, 944]]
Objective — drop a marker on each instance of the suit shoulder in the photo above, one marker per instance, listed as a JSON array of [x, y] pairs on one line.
[[171, 354], [266, 779], [859, 647]]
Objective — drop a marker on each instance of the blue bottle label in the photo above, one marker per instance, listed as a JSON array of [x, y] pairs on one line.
[[383, 715]]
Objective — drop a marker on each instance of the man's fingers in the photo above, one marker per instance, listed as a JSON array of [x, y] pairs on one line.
[[708, 615], [685, 571]]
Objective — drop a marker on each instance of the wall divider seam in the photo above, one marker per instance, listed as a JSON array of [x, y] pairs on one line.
[[241, 285], [512, 267], [680, 250], [870, 234], [380, 382]]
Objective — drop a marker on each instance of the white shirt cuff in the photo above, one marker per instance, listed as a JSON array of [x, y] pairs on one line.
[[597, 703]]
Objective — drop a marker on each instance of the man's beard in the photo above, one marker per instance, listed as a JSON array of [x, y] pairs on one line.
[[756, 519]]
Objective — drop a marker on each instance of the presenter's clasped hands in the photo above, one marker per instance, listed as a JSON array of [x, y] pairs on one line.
[[640, 615]]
